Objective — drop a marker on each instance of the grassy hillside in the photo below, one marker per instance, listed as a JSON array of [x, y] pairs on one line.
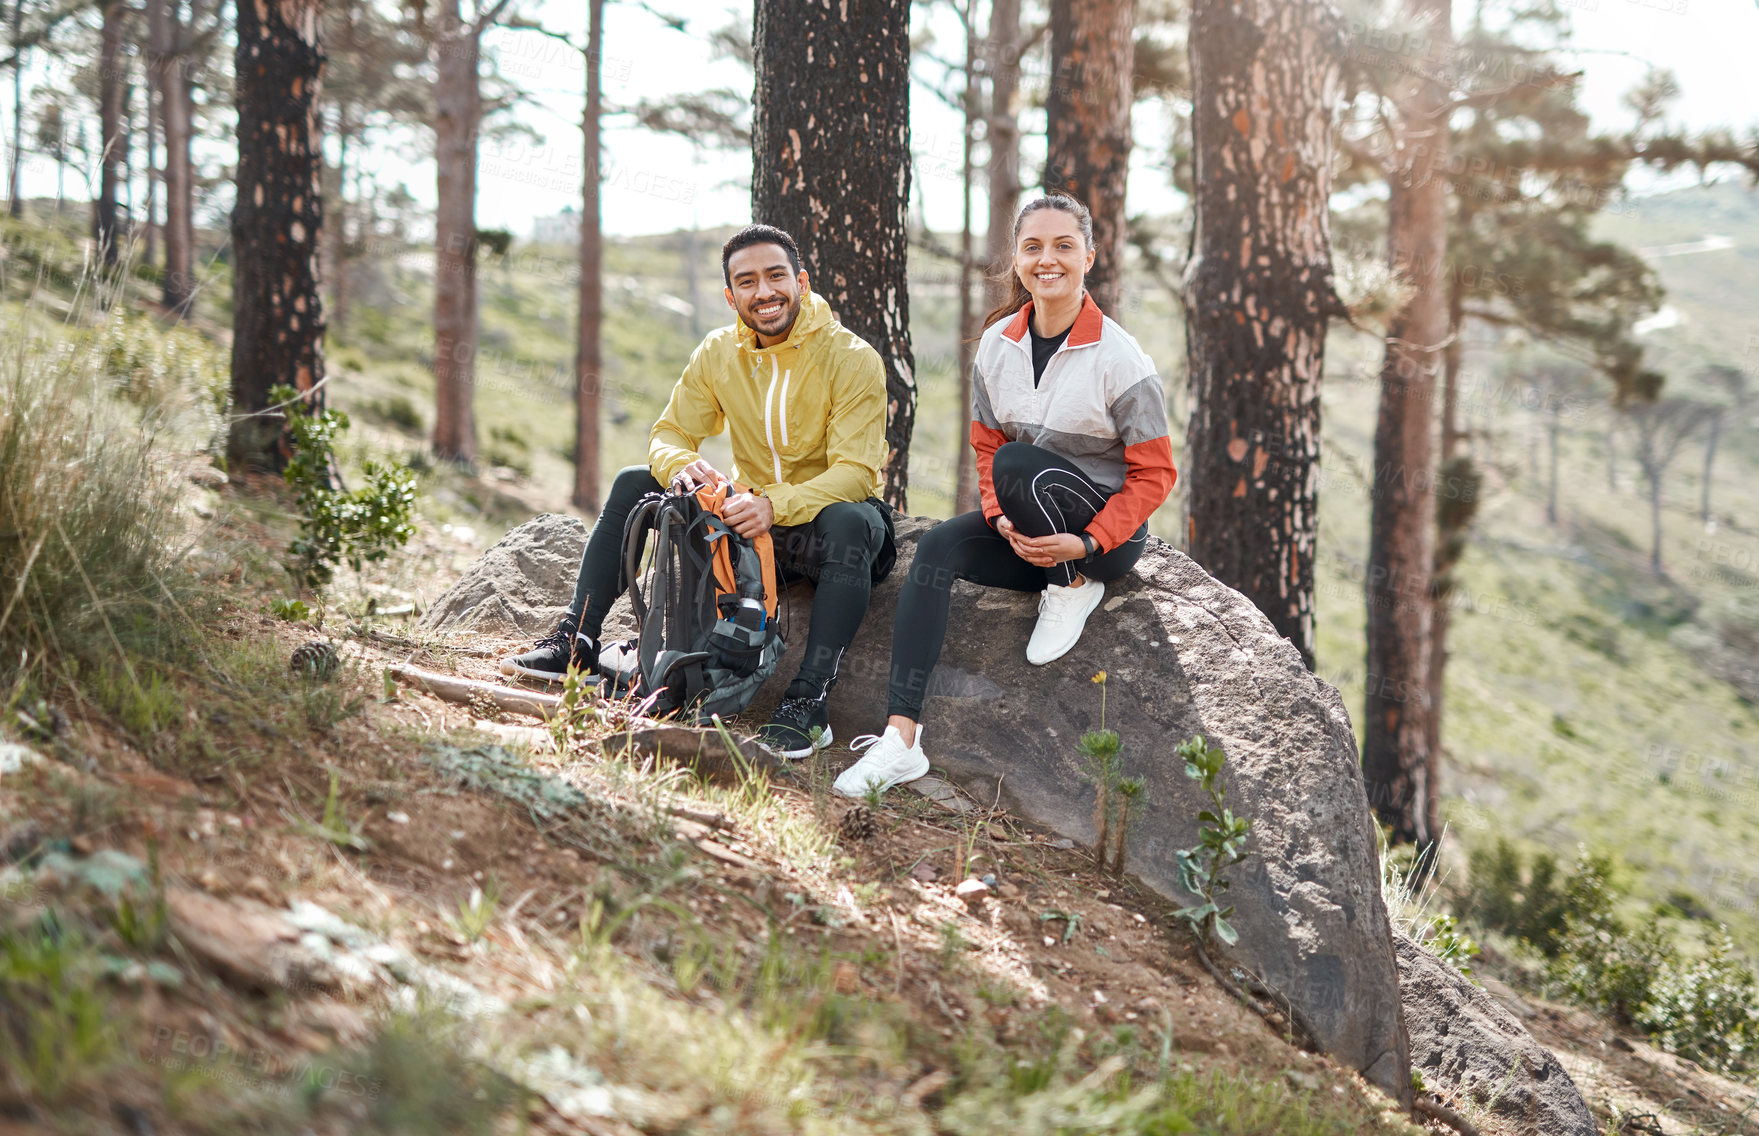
[[244, 894], [1588, 702], [1585, 698]]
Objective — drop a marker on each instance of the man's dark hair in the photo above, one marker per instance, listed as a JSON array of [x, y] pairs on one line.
[[758, 235]]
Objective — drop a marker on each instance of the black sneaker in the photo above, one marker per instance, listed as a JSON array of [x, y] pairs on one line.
[[798, 727], [555, 652]]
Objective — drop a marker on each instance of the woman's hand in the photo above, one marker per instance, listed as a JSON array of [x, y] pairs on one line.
[[1043, 551]]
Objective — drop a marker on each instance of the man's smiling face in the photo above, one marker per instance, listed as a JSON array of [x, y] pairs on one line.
[[765, 290]]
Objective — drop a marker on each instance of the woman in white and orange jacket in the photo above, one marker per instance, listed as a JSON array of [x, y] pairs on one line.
[[1069, 425]]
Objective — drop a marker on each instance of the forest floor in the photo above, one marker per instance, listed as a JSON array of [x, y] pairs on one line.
[[344, 906]]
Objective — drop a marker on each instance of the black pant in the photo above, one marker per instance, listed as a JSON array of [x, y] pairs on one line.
[[1041, 494], [837, 550]]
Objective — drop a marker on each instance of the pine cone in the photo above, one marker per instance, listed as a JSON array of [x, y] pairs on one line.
[[316, 659], [857, 823]]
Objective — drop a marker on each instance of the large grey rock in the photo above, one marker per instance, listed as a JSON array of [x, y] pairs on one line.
[[1185, 655], [520, 586], [1464, 1040]]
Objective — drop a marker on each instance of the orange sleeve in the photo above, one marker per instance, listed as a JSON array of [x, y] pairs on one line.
[[986, 441], [1147, 483]]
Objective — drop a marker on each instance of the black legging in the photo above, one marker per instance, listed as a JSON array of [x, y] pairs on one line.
[[837, 550], [1041, 493]]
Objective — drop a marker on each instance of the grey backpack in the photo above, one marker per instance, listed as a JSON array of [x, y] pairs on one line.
[[706, 613]]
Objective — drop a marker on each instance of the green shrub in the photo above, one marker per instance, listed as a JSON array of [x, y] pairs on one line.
[[1536, 903], [1705, 1010], [358, 527], [1611, 967]]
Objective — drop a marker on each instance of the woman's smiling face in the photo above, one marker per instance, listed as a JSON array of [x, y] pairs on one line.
[[1051, 257]]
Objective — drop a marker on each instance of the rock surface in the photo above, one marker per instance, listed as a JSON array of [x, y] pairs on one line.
[[1465, 1041], [1184, 655], [520, 586]]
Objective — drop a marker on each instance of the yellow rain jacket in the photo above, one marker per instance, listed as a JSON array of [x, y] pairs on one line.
[[808, 416]]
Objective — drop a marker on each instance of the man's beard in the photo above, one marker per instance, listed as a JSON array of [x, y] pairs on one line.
[[784, 320]]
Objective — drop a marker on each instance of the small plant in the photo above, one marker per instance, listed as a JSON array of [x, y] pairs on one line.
[[577, 716], [335, 825], [1223, 844], [293, 611], [1408, 886], [1117, 797], [1442, 937], [477, 912], [57, 1029], [141, 923], [337, 526]]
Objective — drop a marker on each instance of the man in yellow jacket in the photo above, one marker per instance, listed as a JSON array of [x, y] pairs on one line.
[[805, 402]]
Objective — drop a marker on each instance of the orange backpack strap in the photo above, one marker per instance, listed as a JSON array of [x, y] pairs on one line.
[[715, 501]]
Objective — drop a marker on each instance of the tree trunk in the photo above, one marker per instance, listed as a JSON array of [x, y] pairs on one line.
[[277, 223], [110, 139], [458, 111], [1709, 465], [588, 364], [175, 107], [1553, 428], [830, 146], [1654, 475], [1396, 760], [1265, 77], [156, 47], [964, 471], [1456, 486], [14, 206], [1087, 114], [1002, 132]]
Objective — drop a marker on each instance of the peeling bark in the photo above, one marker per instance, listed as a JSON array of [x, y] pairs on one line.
[[277, 223], [830, 148], [1266, 77], [1087, 112]]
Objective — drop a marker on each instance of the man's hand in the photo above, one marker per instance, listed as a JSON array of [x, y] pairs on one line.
[[748, 514], [1043, 551], [697, 473]]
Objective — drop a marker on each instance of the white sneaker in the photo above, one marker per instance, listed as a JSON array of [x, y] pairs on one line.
[[1062, 613], [887, 762]]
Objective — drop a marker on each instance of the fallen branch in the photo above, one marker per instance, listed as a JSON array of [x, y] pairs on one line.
[[704, 817], [467, 691], [407, 643], [1446, 1115], [1299, 1026]]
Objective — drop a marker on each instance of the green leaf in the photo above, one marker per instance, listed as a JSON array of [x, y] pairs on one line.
[[1225, 931]]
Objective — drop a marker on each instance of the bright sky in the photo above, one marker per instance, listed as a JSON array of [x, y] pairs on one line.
[[660, 184]]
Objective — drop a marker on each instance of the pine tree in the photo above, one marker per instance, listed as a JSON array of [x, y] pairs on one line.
[[458, 115], [1395, 756], [110, 127], [1266, 76], [830, 148], [278, 309], [1087, 115]]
